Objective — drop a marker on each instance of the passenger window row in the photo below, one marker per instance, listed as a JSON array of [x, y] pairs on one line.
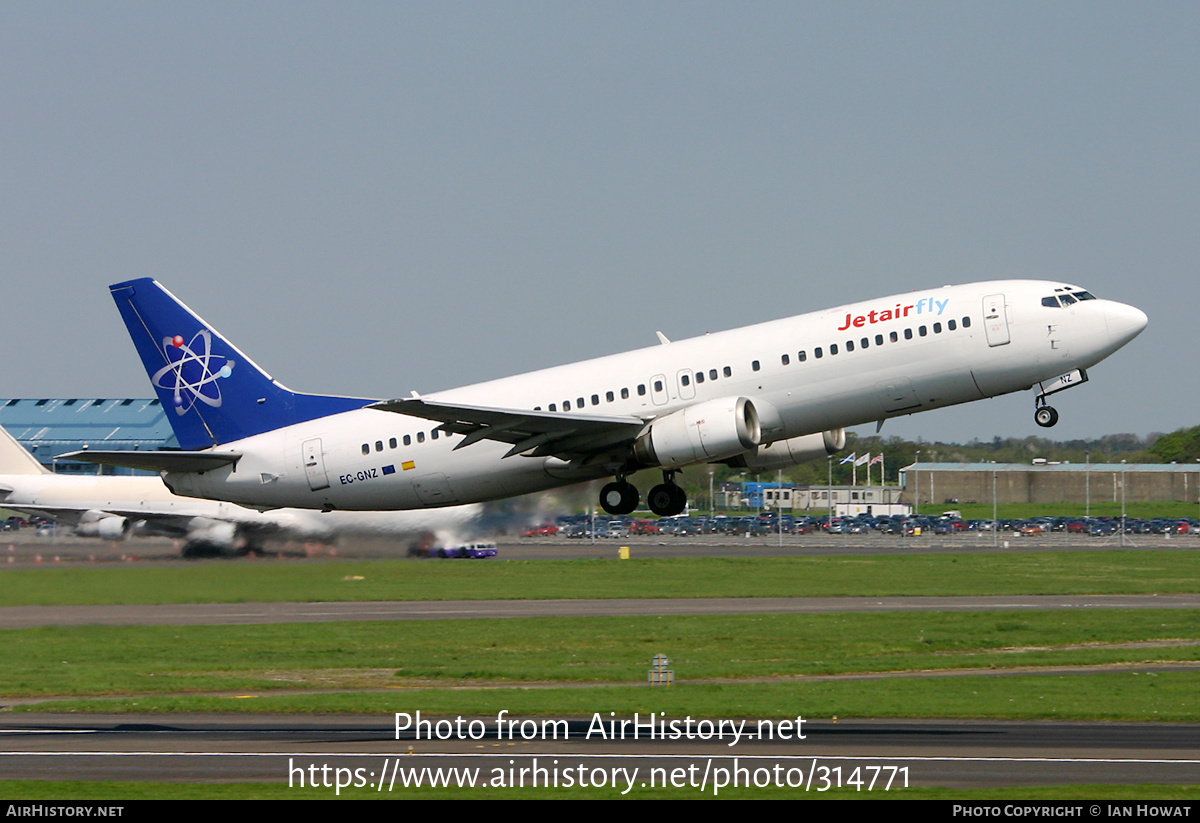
[[865, 342], [611, 397], [392, 443]]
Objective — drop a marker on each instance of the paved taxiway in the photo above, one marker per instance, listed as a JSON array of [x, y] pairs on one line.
[[24, 550], [196, 614]]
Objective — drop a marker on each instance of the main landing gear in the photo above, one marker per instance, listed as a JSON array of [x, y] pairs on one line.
[[620, 497], [666, 499]]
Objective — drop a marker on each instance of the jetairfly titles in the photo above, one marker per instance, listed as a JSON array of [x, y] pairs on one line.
[[923, 306]]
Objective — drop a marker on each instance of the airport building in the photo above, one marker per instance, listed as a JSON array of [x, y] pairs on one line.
[[50, 427], [806, 498], [935, 485]]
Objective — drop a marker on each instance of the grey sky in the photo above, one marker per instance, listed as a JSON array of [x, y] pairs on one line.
[[371, 198]]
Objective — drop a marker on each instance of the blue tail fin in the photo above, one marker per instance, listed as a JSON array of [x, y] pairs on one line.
[[217, 394]]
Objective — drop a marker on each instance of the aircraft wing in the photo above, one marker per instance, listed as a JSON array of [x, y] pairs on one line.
[[73, 516], [159, 461], [59, 514], [530, 433], [154, 519]]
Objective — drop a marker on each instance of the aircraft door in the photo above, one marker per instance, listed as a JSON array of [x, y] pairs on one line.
[[687, 389], [314, 465], [658, 389], [995, 320]]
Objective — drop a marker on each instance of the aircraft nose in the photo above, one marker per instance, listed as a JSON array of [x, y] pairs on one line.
[[1124, 322]]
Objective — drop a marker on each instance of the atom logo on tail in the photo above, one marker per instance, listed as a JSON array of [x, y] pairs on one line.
[[192, 371]]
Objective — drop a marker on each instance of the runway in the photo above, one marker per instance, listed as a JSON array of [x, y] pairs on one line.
[[968, 754]]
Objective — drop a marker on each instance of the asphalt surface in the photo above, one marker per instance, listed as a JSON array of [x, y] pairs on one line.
[[198, 614], [25, 550], [974, 754]]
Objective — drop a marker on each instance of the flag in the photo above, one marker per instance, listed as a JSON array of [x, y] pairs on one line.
[[877, 459], [847, 459], [864, 459]]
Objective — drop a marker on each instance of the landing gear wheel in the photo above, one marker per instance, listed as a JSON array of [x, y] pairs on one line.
[[678, 499], [666, 500], [619, 497], [1045, 417]]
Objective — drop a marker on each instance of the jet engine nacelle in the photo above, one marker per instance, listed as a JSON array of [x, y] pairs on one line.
[[712, 430], [219, 534], [102, 524], [784, 453]]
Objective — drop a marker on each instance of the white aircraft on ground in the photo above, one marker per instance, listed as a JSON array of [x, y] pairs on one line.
[[762, 397], [111, 507]]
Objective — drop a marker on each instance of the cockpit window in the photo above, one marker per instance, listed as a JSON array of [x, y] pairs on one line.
[[1066, 299]]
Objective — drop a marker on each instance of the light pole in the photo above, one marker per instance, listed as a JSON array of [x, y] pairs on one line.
[[779, 506], [1122, 504], [829, 494], [995, 510], [1087, 484], [917, 483]]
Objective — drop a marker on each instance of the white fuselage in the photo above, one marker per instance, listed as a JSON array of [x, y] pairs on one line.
[[824, 370]]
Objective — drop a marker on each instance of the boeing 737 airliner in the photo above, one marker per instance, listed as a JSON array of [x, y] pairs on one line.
[[762, 397]]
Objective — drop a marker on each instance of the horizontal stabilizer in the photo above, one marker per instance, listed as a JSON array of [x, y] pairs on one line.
[[158, 461]]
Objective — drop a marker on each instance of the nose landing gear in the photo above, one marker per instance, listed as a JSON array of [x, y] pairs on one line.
[[1045, 416]]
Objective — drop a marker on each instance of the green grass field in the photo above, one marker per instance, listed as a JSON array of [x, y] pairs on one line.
[[576, 650], [975, 573]]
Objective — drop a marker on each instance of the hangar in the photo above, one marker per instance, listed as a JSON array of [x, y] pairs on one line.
[[50, 427]]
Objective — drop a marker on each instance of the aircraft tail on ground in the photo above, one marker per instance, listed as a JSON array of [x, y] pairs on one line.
[[212, 392], [15, 458]]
